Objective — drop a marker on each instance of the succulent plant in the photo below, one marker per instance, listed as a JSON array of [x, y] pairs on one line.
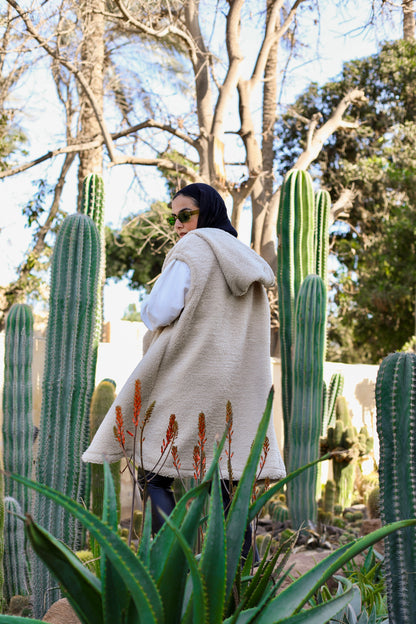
[[68, 383], [17, 400], [102, 399], [305, 424], [396, 427]]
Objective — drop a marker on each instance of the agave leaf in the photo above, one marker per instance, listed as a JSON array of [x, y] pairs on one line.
[[145, 542], [168, 564], [259, 585], [300, 591], [213, 559], [115, 595], [172, 580], [136, 577], [237, 516], [18, 619], [277, 487], [83, 587], [317, 615], [199, 593]]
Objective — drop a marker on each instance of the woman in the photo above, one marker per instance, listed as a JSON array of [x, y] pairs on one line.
[[208, 343]]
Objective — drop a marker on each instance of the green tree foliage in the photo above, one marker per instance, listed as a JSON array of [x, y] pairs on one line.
[[376, 278], [131, 313], [138, 249]]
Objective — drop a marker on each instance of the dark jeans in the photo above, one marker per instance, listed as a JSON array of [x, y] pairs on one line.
[[159, 490]]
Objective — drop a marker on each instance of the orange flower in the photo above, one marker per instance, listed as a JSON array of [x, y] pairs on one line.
[[197, 466], [175, 457], [137, 402], [171, 433], [119, 428]]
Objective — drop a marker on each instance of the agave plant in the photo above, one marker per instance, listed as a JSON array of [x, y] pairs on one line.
[[165, 581]]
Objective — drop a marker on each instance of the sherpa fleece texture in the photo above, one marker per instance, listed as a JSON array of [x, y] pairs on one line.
[[217, 350]]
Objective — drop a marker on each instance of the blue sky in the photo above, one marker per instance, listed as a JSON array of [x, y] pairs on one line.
[[341, 37]]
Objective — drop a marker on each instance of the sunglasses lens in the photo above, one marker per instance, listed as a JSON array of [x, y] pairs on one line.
[[183, 217]]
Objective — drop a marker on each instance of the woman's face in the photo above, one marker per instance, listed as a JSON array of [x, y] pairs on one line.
[[181, 202]]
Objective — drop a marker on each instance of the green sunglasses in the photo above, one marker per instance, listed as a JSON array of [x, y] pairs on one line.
[[184, 216]]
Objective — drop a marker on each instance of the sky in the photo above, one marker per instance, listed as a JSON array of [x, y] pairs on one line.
[[341, 37]]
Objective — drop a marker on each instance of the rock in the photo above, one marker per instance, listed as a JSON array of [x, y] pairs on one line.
[[20, 605], [370, 525], [61, 612]]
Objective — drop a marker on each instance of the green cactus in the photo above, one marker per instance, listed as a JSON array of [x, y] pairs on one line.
[[321, 236], [330, 396], [336, 386], [373, 503], [279, 512], [329, 496], [92, 200], [137, 523], [325, 517], [396, 426], [102, 399], [302, 251], [305, 424], [295, 260], [92, 204], [87, 559], [17, 400], [16, 571], [265, 543], [68, 383], [343, 437], [1, 532]]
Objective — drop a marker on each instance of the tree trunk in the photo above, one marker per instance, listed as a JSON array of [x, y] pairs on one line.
[[408, 8], [92, 59]]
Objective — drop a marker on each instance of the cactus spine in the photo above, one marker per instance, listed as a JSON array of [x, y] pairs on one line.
[[305, 424], [16, 573], [17, 400], [71, 352], [396, 427], [102, 399], [295, 260]]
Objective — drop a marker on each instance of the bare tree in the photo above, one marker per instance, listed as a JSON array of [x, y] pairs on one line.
[[226, 100], [408, 8]]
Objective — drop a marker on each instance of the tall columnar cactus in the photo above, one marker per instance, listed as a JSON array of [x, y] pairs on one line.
[[92, 200], [16, 572], [102, 399], [336, 386], [322, 210], [305, 424], [396, 427], [1, 530], [92, 204], [330, 396], [68, 383], [295, 260], [17, 400]]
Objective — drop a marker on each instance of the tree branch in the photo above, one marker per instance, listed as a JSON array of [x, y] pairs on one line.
[[341, 208], [161, 33], [272, 35], [76, 73], [80, 147], [318, 138]]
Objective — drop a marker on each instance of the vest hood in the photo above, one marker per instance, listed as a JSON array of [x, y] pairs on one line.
[[240, 265]]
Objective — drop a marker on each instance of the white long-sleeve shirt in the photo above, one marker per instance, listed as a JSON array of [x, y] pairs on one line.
[[167, 298]]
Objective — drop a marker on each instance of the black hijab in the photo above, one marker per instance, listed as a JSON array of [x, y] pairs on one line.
[[212, 209]]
